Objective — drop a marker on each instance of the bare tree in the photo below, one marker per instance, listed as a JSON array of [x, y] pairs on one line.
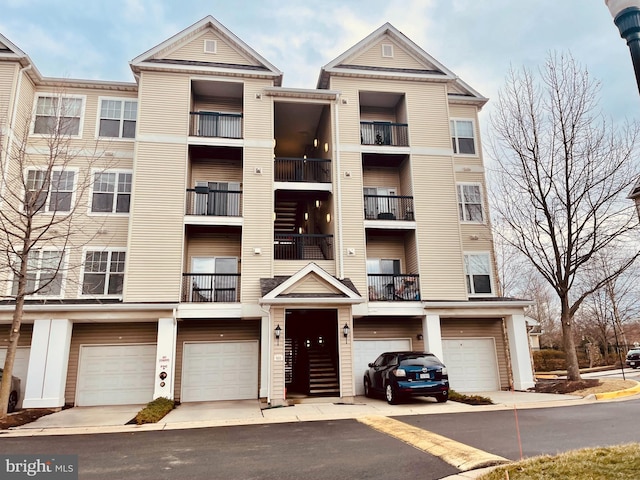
[[43, 205], [562, 176]]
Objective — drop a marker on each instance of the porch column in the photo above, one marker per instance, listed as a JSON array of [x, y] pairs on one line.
[[265, 355], [164, 380], [432, 335], [48, 361], [519, 349], [277, 387]]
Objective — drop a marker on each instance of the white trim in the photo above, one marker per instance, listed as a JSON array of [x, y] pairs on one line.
[[117, 171], [207, 46], [482, 207], [38, 95], [387, 50], [119, 138], [62, 269], [110, 250], [47, 204], [476, 141]]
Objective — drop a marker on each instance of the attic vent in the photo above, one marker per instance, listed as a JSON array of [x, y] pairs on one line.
[[210, 46], [387, 50]]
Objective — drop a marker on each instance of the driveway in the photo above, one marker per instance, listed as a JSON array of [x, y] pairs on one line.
[[103, 416]]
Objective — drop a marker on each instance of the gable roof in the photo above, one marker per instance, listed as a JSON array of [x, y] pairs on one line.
[[635, 193], [277, 289], [154, 56], [431, 69]]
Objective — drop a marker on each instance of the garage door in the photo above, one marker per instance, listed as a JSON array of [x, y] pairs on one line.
[[219, 371], [472, 364], [115, 374], [366, 351], [20, 367]]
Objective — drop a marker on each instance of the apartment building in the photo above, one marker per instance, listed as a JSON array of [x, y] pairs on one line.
[[246, 240]]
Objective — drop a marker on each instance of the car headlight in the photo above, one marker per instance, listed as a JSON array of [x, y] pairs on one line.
[[444, 371], [400, 373]]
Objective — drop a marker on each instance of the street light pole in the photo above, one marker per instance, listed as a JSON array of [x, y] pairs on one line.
[[626, 16]]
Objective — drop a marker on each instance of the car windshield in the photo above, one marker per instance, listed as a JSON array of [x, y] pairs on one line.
[[419, 361]]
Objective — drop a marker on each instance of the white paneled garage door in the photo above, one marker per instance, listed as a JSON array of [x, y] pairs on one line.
[[115, 374], [20, 368], [472, 364], [366, 351], [219, 371]]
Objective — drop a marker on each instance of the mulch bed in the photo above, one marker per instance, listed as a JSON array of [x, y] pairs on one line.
[[565, 386], [22, 417]]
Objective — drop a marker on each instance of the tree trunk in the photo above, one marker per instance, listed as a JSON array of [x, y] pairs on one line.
[[573, 369], [14, 335]]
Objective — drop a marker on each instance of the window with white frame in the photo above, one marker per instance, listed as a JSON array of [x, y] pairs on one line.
[[118, 118], [49, 190], [58, 115], [44, 273], [470, 202], [111, 192], [103, 272], [477, 267], [462, 137]]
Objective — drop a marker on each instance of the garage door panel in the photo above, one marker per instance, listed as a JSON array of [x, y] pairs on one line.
[[366, 351], [471, 363], [116, 374], [20, 367], [219, 371]]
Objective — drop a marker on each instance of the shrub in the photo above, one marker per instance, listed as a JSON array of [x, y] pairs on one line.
[[469, 399], [549, 360], [155, 410]]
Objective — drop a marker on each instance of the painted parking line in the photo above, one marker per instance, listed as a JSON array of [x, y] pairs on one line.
[[457, 454]]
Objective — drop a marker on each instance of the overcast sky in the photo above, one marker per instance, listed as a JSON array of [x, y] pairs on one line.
[[476, 39]]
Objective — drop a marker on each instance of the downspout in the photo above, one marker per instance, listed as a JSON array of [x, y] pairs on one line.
[[339, 190]]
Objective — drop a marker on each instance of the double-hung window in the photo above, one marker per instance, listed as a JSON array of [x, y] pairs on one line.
[[44, 273], [49, 190], [103, 272], [470, 202], [111, 192], [477, 269], [118, 118], [58, 115], [462, 137]]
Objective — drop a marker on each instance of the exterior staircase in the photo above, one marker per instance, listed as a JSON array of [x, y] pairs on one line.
[[323, 376]]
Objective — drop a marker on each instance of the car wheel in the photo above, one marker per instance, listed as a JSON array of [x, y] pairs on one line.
[[367, 387], [391, 395], [13, 402], [442, 397]]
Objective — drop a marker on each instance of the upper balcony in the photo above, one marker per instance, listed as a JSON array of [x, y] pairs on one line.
[[215, 125], [216, 112], [383, 120], [388, 207], [307, 170], [384, 133], [387, 287]]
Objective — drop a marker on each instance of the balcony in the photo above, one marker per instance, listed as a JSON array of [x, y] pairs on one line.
[[384, 133], [310, 170], [210, 287], [217, 203], [388, 207], [215, 124], [292, 246], [387, 287]]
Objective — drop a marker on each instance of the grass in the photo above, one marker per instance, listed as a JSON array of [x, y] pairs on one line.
[[155, 410], [604, 463], [469, 399]]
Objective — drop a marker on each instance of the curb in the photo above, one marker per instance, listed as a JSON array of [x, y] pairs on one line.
[[620, 393]]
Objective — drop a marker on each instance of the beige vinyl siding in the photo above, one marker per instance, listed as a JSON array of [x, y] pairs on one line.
[[373, 114], [212, 245], [405, 178], [24, 340], [478, 328], [382, 177], [312, 284], [154, 259], [277, 351], [412, 253], [8, 79], [225, 51], [217, 104], [438, 228], [103, 334], [380, 328], [202, 330], [290, 267], [163, 107], [345, 352], [392, 248], [372, 57], [215, 171]]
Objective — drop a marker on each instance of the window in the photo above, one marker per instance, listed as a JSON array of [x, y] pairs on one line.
[[470, 203], [103, 273], [478, 273], [44, 273], [218, 199], [49, 191], [214, 279], [118, 118], [111, 192], [56, 114], [387, 50], [462, 137]]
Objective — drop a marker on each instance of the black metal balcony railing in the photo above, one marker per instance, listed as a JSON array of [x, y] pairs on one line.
[[218, 203], [388, 207], [313, 170], [302, 247], [385, 287], [210, 287], [215, 124], [382, 133]]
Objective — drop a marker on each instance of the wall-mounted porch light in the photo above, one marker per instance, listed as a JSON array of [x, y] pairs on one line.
[[315, 143], [318, 203], [326, 147], [328, 218], [277, 331], [345, 332], [419, 336]]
